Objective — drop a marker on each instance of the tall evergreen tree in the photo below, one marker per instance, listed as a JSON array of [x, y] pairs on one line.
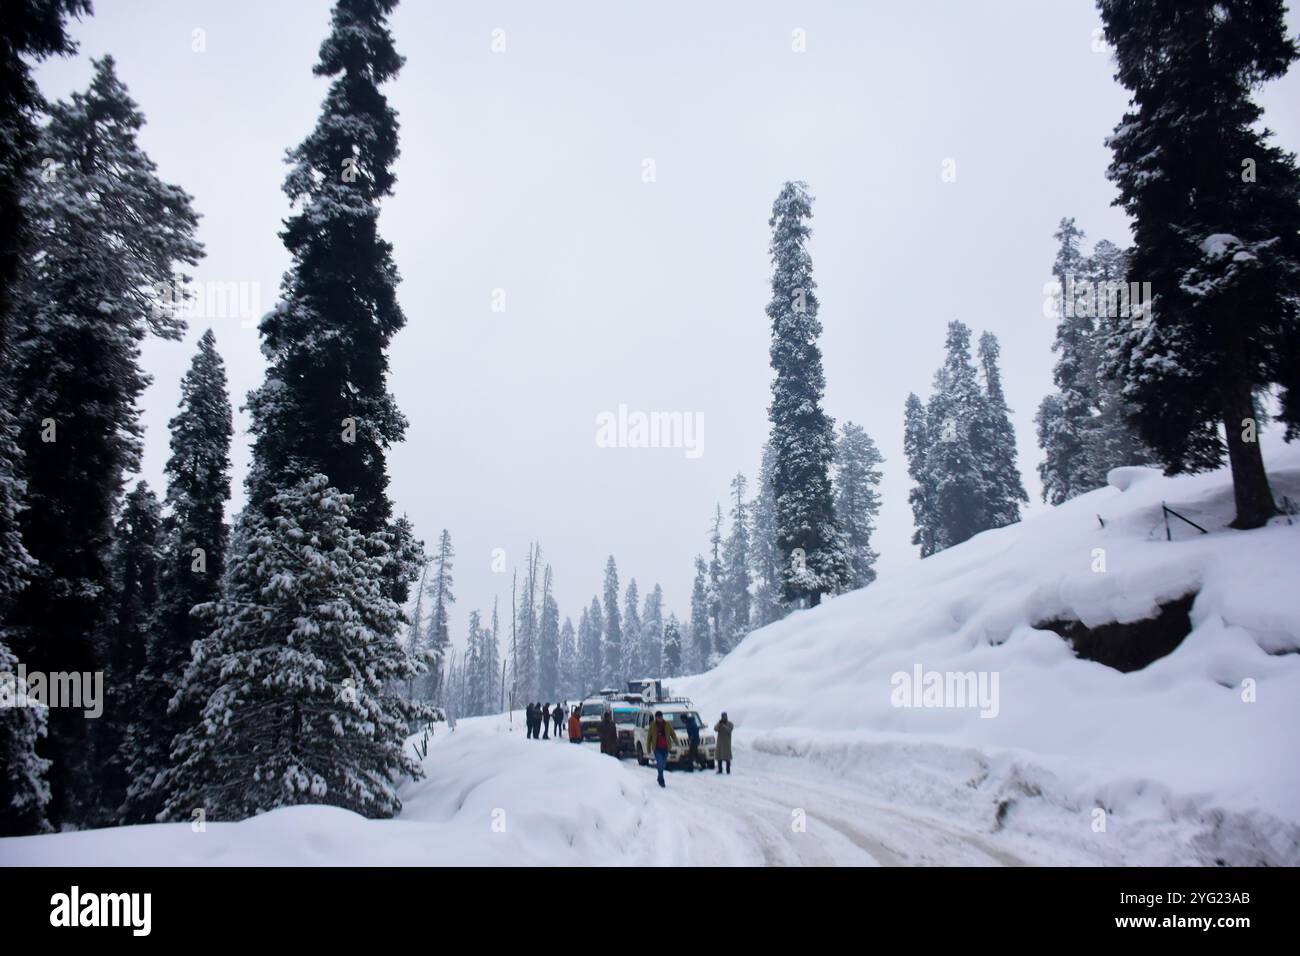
[[89, 299], [633, 664], [296, 685], [961, 490], [594, 647], [652, 633], [548, 641], [699, 649], [31, 31], [803, 438], [133, 607], [996, 443], [325, 406], [1065, 418], [765, 552], [613, 672], [916, 447], [437, 636], [857, 502], [527, 614], [492, 674], [736, 598], [716, 585], [672, 655], [1216, 223], [570, 673], [194, 542]]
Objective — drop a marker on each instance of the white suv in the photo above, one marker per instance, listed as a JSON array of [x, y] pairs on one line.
[[675, 713]]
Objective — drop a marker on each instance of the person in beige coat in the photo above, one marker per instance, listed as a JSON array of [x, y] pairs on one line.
[[723, 728]]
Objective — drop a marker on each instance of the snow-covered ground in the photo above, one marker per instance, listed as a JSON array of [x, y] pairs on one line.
[[1193, 759]]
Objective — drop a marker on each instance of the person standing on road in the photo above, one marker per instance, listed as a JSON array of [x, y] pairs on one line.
[[575, 726], [546, 721], [661, 737], [693, 736], [528, 720], [608, 735], [724, 727], [558, 714]]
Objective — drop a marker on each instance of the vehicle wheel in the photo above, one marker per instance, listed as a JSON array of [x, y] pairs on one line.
[[641, 758]]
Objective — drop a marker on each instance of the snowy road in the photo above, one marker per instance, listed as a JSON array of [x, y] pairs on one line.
[[783, 811]]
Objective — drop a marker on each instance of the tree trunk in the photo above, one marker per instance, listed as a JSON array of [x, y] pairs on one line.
[[1254, 498]]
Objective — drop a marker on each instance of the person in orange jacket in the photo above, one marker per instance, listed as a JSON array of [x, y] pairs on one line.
[[575, 726]]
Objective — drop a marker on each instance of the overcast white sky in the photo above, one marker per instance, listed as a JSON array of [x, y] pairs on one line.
[[522, 171]]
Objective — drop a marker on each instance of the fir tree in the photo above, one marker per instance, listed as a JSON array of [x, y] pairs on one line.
[[857, 502], [295, 685], [90, 298], [613, 671], [699, 649], [961, 502], [194, 542], [1065, 419], [1216, 224], [136, 562], [736, 598], [548, 642], [764, 551], [594, 647], [916, 446], [325, 407], [996, 443], [437, 636], [633, 664], [652, 633], [570, 674], [672, 654], [812, 550], [492, 673], [526, 664], [715, 585]]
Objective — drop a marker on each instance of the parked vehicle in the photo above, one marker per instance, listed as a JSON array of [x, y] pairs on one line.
[[593, 708], [625, 718], [674, 712]]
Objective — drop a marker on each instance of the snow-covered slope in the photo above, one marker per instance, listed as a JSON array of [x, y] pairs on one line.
[[1187, 764], [1176, 760]]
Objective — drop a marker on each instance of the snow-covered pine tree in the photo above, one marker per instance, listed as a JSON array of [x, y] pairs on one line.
[[526, 663], [111, 237], [137, 558], [716, 586], [194, 542], [437, 635], [812, 549], [736, 599], [1218, 238], [1065, 419], [474, 676], [325, 406], [996, 442], [613, 647], [857, 502], [492, 674], [699, 648], [652, 633], [916, 447], [632, 663], [962, 499], [570, 679], [671, 665], [548, 641], [764, 551], [295, 684], [594, 650]]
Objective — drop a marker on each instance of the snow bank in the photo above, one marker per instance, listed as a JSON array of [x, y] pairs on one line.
[[1181, 749]]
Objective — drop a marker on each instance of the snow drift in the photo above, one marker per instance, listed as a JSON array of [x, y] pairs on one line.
[[1191, 759]]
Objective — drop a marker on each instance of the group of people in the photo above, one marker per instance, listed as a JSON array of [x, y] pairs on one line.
[[662, 737], [539, 718]]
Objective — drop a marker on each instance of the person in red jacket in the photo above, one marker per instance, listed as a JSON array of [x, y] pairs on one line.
[[575, 726], [661, 736]]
